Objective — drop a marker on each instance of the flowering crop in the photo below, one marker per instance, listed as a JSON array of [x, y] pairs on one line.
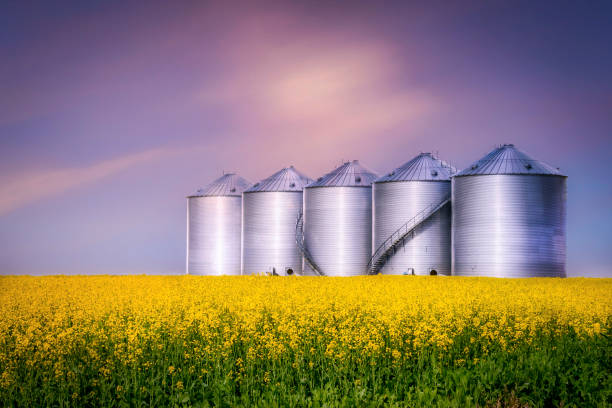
[[103, 340]]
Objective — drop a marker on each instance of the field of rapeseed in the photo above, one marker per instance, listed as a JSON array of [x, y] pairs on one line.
[[365, 341]]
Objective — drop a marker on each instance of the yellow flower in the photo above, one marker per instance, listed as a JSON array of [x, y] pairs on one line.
[[123, 321]]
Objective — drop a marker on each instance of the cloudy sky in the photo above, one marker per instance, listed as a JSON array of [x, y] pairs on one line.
[[112, 111]]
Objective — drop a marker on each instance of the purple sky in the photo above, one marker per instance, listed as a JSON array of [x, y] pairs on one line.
[[111, 112]]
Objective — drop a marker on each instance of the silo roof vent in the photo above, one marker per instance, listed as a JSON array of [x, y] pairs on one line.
[[287, 179], [507, 159], [350, 174], [424, 167], [230, 184]]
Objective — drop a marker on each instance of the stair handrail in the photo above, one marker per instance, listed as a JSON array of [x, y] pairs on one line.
[[388, 243], [299, 239]]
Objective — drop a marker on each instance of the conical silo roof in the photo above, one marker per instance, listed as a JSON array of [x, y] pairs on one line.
[[230, 184], [350, 174], [424, 167], [287, 179], [507, 159]]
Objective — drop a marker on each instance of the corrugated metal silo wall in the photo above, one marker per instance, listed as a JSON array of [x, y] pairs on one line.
[[338, 228], [429, 245], [214, 235], [509, 225], [269, 232]]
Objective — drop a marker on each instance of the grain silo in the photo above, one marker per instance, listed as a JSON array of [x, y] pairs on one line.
[[214, 218], [270, 210], [412, 219], [509, 217], [337, 224]]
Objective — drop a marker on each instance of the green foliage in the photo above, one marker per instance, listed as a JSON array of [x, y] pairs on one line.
[[553, 370]]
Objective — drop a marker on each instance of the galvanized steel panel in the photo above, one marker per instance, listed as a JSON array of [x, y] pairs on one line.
[[507, 159], [350, 174], [429, 245], [287, 179], [230, 184], [509, 225], [214, 235], [338, 228], [424, 167], [269, 220]]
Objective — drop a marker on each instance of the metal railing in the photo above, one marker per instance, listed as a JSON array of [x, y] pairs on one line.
[[380, 256], [299, 239]]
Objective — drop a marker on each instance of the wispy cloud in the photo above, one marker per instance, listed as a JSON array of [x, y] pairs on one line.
[[21, 190]]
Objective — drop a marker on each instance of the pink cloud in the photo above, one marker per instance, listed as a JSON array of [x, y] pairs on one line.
[[21, 190], [314, 93]]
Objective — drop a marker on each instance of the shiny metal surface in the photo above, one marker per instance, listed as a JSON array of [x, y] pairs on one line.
[[299, 240], [429, 245], [424, 167], [269, 232], [214, 227], [507, 159], [350, 174], [270, 210], [399, 196], [287, 179], [509, 225], [214, 235], [338, 229], [230, 184]]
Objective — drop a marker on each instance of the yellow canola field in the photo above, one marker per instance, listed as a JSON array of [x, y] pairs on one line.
[[44, 319]]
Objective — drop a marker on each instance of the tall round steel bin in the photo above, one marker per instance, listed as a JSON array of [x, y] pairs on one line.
[[338, 220], [214, 224], [270, 210], [403, 199], [509, 217]]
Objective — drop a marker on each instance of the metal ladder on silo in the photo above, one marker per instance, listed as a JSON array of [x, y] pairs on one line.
[[299, 239], [387, 249]]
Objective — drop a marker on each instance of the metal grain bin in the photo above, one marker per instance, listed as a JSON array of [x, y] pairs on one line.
[[270, 209], [338, 220], [509, 217], [423, 245], [214, 218]]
